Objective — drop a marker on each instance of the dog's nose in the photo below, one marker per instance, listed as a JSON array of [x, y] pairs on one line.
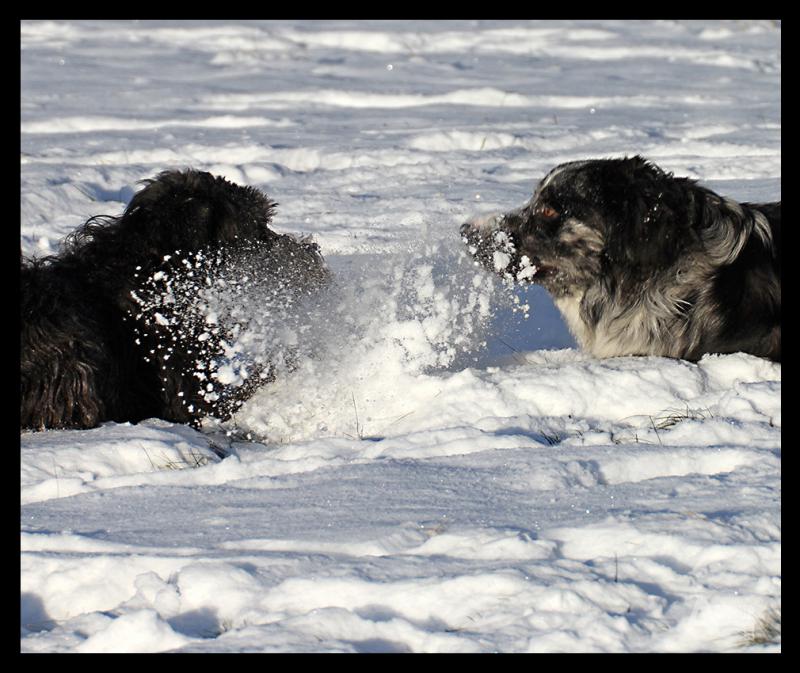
[[481, 224]]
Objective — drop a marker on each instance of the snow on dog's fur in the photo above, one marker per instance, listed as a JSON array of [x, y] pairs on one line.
[[115, 327], [643, 263]]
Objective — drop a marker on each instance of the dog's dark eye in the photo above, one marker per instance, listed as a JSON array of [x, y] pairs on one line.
[[547, 212]]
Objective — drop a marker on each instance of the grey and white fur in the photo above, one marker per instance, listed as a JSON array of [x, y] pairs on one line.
[[640, 262]]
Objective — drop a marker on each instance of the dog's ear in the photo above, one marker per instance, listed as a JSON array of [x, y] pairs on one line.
[[649, 214]]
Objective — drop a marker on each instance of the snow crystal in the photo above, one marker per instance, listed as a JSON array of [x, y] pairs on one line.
[[500, 260], [527, 269]]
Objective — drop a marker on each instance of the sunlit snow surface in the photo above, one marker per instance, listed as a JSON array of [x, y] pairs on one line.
[[436, 472]]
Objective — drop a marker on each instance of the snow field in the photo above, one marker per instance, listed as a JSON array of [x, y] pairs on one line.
[[354, 512]]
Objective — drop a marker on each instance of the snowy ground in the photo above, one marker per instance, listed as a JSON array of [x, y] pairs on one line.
[[444, 474]]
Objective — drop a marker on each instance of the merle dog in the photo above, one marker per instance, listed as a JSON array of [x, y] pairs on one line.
[[93, 349], [640, 262]]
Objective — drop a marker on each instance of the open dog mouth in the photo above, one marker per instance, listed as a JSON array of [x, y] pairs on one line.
[[497, 251]]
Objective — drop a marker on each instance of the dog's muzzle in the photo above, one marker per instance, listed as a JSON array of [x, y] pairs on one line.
[[480, 225], [479, 233]]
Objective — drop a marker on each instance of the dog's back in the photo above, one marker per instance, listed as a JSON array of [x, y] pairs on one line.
[[747, 292]]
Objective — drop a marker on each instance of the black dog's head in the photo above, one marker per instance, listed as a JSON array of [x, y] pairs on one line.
[[183, 213], [185, 210], [585, 218]]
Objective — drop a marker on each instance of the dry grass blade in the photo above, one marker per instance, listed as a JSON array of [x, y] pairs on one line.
[[767, 629]]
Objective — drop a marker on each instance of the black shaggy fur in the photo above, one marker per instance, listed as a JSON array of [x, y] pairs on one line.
[[88, 355], [643, 263]]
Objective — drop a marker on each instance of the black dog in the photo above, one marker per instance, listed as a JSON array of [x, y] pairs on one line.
[[109, 335], [640, 262]]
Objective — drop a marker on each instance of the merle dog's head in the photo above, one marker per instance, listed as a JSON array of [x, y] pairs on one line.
[[586, 219]]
